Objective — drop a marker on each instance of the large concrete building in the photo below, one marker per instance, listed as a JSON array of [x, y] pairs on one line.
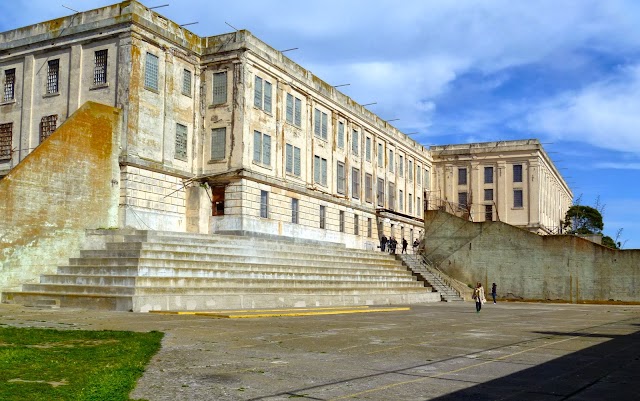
[[225, 134]]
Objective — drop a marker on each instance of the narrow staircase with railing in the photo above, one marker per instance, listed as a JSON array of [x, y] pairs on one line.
[[434, 278]]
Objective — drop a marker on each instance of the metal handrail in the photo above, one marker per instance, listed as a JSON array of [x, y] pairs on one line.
[[440, 277]]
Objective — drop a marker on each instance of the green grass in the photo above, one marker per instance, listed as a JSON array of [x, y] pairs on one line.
[[48, 365]]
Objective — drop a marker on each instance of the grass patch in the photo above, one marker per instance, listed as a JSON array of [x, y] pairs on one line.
[[47, 364]]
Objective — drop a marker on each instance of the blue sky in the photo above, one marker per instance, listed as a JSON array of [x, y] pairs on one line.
[[565, 72]]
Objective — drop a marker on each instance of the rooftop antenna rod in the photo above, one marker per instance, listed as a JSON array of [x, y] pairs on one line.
[[236, 29], [369, 104], [163, 5], [288, 50], [412, 133], [69, 8], [188, 23], [337, 86], [393, 119]]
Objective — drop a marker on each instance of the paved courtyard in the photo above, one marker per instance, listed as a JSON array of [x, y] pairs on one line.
[[509, 351]]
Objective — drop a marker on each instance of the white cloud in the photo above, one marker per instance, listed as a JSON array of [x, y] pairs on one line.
[[604, 114]]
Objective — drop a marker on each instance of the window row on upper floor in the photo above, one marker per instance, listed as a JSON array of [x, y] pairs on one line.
[[489, 174]]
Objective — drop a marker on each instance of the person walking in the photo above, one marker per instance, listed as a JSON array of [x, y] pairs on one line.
[[494, 292], [404, 245], [392, 245], [415, 245], [478, 296], [383, 242]]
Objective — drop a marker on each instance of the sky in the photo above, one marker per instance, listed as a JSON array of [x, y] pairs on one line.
[[566, 72]]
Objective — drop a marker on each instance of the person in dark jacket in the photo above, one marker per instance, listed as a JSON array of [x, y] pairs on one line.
[[383, 242], [404, 245]]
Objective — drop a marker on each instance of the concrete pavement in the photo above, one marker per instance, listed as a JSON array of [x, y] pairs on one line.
[[442, 351]]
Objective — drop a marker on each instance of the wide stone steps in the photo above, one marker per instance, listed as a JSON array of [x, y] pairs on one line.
[[144, 270]]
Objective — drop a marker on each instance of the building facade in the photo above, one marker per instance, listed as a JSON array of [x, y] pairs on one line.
[[511, 181], [225, 134], [221, 134]]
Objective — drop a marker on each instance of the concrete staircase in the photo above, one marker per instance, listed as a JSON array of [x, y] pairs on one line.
[[431, 276], [135, 270]]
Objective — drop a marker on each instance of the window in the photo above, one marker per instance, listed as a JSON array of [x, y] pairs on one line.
[[462, 176], [355, 183], [368, 149], [380, 192], [419, 207], [488, 212], [517, 198], [218, 143], [323, 216], [9, 84], [340, 134], [368, 187], [369, 227], [401, 201], [488, 194], [6, 135], [186, 82], [356, 224], [151, 72], [462, 200], [219, 88], [340, 178], [264, 204], [295, 211], [320, 170], [100, 68], [517, 173], [262, 94], [293, 160], [320, 124], [390, 161], [47, 126], [355, 143], [400, 165], [488, 175], [410, 203], [392, 196], [261, 148], [53, 71], [418, 176], [427, 180], [181, 142], [410, 170], [294, 110], [380, 156], [342, 221]]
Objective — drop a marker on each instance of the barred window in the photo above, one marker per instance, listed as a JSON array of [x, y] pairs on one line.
[[341, 135], [488, 194], [320, 170], [218, 143], [462, 176], [356, 224], [220, 88], [400, 165], [488, 212], [262, 94], [53, 72], [380, 192], [392, 196], [181, 142], [320, 124], [418, 175], [294, 110], [264, 204], [367, 149], [419, 207], [355, 183], [517, 173], [391, 161], [369, 227], [401, 201], [462, 199], [355, 143], [341, 221], [9, 84], [186, 82], [427, 181], [100, 68], [295, 211], [368, 187], [340, 178], [323, 216], [410, 170], [488, 175], [292, 164], [47, 126], [380, 156], [6, 135], [410, 203], [261, 148], [517, 198], [151, 72]]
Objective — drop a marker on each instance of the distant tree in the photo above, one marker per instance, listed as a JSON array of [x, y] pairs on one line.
[[583, 220], [608, 241]]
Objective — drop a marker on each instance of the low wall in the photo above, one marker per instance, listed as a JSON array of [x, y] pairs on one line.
[[67, 184], [530, 266]]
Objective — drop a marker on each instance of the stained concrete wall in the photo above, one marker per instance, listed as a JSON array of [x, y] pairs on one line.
[[67, 184], [529, 266]]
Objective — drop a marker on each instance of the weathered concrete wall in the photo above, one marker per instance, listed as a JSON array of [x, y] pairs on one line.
[[531, 266], [67, 184]]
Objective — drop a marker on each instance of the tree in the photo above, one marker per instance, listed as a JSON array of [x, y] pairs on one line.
[[608, 241], [583, 220]]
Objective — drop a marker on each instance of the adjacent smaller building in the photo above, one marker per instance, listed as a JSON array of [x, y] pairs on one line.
[[510, 181]]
